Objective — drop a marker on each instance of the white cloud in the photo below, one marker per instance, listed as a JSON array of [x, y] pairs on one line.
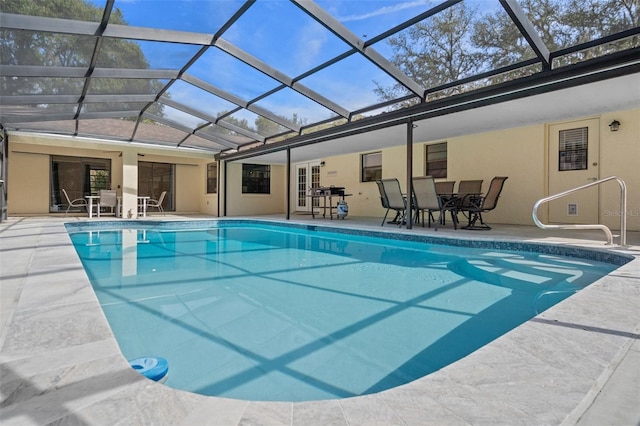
[[383, 11], [311, 42]]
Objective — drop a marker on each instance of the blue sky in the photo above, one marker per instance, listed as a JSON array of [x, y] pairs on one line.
[[278, 33]]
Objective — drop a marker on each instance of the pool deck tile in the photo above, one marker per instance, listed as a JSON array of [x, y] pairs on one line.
[[577, 363]]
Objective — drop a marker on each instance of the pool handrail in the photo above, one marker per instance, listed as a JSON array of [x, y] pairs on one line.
[[604, 228]]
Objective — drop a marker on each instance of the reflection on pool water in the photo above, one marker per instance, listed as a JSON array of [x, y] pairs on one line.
[[260, 312]]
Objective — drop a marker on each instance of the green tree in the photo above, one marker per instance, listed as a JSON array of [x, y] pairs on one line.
[[591, 19], [502, 43], [434, 52], [242, 123], [460, 42], [63, 50], [266, 127]]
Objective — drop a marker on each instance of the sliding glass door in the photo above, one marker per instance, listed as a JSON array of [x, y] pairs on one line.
[[78, 176], [154, 178]]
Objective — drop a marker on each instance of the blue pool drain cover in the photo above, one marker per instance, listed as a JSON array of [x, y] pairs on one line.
[[156, 369]]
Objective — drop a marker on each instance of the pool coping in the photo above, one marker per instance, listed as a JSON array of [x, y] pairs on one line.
[[601, 255], [61, 363]]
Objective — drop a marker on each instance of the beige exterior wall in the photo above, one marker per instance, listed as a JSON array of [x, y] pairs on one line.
[[344, 171], [620, 156], [31, 195], [519, 153], [29, 172], [239, 204]]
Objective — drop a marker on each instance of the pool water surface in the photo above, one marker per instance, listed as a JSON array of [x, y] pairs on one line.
[[262, 312]]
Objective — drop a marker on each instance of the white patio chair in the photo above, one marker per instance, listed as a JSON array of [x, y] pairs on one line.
[[108, 199], [78, 202], [157, 203]]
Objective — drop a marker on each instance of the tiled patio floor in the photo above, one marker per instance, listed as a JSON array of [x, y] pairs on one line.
[[577, 363]]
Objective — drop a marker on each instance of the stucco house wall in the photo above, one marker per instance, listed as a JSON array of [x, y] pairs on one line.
[[620, 156], [239, 204], [29, 172], [521, 153]]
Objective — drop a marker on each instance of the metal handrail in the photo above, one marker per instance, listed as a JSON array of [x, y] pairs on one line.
[[607, 231]]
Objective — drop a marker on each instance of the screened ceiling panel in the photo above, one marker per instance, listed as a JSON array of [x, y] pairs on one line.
[[204, 16], [356, 92], [472, 47], [120, 129], [368, 19], [153, 131], [58, 126], [197, 142], [48, 109], [125, 86], [497, 40], [66, 11], [222, 70], [101, 106], [41, 86], [199, 99], [69, 50], [243, 122], [598, 18], [303, 43], [225, 76], [155, 55], [294, 107], [224, 136], [46, 112], [599, 50], [188, 120]]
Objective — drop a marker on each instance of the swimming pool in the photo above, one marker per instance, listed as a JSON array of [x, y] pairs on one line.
[[250, 310]]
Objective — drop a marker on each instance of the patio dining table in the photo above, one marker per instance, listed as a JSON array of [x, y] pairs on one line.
[[90, 199], [455, 200], [142, 204], [458, 201]]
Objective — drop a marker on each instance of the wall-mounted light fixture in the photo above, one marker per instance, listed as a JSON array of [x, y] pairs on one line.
[[322, 164], [614, 126]]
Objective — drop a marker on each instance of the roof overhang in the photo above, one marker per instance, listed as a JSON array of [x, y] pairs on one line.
[[550, 99]]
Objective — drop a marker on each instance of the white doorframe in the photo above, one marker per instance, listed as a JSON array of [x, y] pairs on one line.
[[574, 158], [307, 175]]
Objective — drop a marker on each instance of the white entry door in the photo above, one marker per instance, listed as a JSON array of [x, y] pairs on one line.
[[307, 177], [574, 155]]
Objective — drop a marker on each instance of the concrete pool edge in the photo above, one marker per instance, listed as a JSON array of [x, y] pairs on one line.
[[601, 255], [64, 366]]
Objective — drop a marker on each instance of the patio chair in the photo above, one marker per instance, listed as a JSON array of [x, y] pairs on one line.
[[445, 192], [427, 199], [476, 206], [469, 188], [108, 199], [392, 199], [157, 203], [78, 202], [468, 194], [445, 187]]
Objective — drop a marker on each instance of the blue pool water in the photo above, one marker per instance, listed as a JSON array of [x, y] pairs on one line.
[[260, 312]]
